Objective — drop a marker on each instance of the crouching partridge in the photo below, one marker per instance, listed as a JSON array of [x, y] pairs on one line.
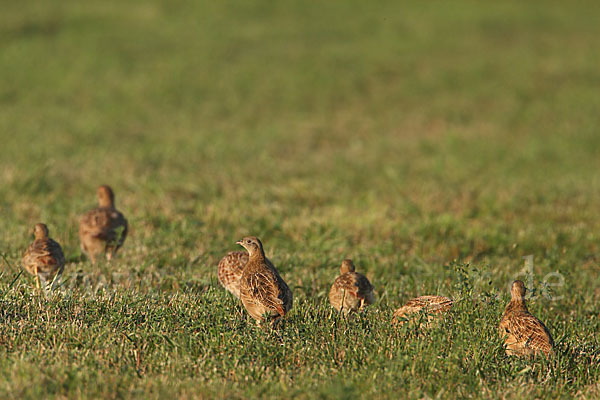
[[431, 307]]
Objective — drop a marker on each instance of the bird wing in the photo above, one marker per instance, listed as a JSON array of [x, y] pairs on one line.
[[364, 287], [96, 223], [234, 261], [430, 304], [44, 253], [230, 269], [528, 329], [262, 287], [348, 283], [104, 223], [56, 251], [285, 294]]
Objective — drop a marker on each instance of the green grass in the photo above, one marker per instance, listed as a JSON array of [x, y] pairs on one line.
[[435, 143]]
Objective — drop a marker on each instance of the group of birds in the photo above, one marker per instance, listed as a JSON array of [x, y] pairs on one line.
[[101, 230], [250, 276]]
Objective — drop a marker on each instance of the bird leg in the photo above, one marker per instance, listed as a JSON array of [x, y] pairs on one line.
[[37, 277]]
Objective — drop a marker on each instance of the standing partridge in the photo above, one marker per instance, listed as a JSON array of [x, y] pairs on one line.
[[264, 294], [432, 306], [351, 291], [523, 334], [230, 271], [44, 258], [103, 229]]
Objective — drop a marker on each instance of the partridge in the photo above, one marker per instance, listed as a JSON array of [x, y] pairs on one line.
[[230, 271], [44, 258], [523, 334], [432, 306], [351, 291], [103, 229], [263, 292]]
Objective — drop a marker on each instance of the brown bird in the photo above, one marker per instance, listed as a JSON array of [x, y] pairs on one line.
[[44, 258], [230, 271], [351, 291], [103, 229], [432, 307], [264, 294], [523, 334]]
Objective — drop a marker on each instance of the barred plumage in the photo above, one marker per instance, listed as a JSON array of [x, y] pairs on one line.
[[44, 258], [351, 291], [103, 229], [523, 334], [263, 292], [431, 306], [230, 271]]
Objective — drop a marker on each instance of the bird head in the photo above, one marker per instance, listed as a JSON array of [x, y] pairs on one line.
[[40, 231], [106, 197], [252, 244], [347, 266]]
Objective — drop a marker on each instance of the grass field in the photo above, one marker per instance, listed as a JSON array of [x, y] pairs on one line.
[[435, 143]]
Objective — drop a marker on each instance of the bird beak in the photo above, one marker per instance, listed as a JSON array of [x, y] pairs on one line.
[[239, 242]]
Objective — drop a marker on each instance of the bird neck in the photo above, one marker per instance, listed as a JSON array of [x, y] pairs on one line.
[[258, 255], [518, 304]]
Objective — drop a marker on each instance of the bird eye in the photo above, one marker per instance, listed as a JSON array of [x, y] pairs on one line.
[[248, 241]]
